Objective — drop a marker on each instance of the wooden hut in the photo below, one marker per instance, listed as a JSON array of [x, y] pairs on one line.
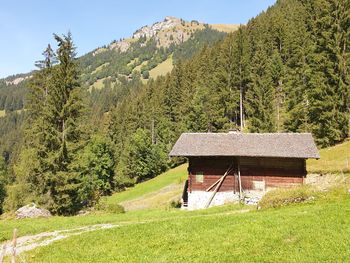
[[224, 167]]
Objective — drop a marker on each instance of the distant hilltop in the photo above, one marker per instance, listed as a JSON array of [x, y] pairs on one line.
[[171, 30]]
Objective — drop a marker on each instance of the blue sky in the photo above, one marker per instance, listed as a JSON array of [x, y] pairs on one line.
[[26, 27]]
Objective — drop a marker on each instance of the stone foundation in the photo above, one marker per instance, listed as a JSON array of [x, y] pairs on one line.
[[199, 199]]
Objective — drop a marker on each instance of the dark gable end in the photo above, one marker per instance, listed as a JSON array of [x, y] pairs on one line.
[[285, 145]]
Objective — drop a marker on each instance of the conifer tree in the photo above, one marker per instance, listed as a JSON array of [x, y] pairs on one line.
[[3, 182], [54, 132], [329, 111], [260, 95]]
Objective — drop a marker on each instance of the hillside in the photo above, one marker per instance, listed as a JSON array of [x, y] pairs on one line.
[[154, 193], [220, 235], [334, 159], [165, 230], [160, 234], [148, 47], [100, 124], [111, 71]]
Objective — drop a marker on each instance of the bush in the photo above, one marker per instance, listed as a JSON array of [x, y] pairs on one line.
[[175, 203], [17, 196], [109, 208], [283, 197], [145, 74]]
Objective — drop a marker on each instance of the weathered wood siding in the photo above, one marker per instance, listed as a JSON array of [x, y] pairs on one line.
[[256, 173]]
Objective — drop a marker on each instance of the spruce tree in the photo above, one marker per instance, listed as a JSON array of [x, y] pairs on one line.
[[260, 97], [54, 132], [329, 96]]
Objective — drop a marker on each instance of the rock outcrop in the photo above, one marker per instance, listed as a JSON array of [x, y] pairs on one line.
[[31, 211]]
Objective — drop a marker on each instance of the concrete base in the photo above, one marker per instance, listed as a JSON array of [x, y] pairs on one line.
[[199, 199]]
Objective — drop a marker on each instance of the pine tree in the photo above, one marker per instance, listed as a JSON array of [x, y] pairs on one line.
[[3, 182], [65, 111], [54, 132], [241, 69], [260, 97], [329, 106]]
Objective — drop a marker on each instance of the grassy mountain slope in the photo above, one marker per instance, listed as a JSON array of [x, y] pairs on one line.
[[148, 49], [173, 235], [315, 231], [153, 193], [334, 159], [162, 68], [110, 72]]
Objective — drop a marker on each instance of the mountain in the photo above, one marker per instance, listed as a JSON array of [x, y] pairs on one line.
[[150, 51], [107, 72]]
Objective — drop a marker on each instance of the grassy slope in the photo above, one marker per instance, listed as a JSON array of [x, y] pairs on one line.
[[38, 225], [174, 176], [314, 232], [162, 69], [311, 232], [98, 84], [2, 113], [153, 186], [99, 68], [334, 159], [138, 68], [228, 28]]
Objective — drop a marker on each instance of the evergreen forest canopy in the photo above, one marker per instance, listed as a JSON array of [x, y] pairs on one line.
[[291, 64]]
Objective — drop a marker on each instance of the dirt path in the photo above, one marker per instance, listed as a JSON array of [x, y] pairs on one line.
[[31, 242]]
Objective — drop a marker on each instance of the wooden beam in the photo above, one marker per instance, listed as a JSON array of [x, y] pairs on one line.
[[14, 244], [210, 187], [2, 254], [218, 184], [239, 178]]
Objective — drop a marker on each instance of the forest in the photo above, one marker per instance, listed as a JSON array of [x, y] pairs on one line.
[[290, 64]]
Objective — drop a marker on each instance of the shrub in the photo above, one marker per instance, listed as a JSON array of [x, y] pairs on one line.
[[175, 203], [145, 74], [17, 196], [283, 197]]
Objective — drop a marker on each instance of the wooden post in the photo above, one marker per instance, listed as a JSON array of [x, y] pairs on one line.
[[226, 173], [234, 179], [14, 243], [219, 182], [2, 254], [239, 178], [216, 189]]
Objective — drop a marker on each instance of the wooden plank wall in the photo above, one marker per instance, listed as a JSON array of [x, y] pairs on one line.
[[272, 172]]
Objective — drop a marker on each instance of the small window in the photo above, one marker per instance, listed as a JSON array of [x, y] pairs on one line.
[[199, 177]]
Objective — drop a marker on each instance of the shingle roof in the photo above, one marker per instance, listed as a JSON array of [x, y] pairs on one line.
[[287, 145]]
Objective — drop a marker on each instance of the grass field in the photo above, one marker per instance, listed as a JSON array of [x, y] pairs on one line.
[[173, 176], [334, 159], [228, 28], [2, 113], [162, 69], [138, 67], [314, 231], [311, 232], [99, 68]]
